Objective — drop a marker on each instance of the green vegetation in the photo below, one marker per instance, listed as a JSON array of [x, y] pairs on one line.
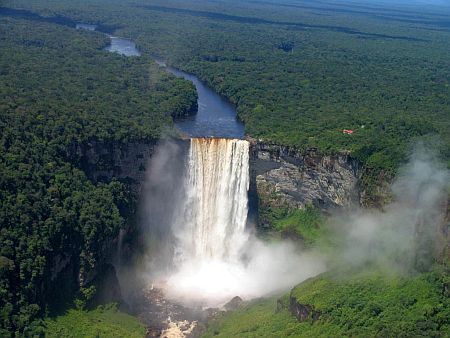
[[301, 73], [58, 91], [260, 318], [104, 321], [307, 224], [362, 304]]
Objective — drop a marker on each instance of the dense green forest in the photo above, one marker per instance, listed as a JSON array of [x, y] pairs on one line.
[[104, 321], [298, 72], [58, 90]]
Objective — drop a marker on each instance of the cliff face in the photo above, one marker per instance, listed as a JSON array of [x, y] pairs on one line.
[[280, 176], [285, 177], [302, 312], [103, 161]]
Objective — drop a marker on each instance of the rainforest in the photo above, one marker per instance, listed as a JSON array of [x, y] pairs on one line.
[[200, 168]]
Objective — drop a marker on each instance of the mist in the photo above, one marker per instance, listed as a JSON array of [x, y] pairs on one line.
[[405, 236], [265, 269], [401, 238], [200, 250], [162, 192]]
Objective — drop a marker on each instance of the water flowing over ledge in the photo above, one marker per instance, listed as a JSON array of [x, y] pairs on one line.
[[215, 210], [207, 251]]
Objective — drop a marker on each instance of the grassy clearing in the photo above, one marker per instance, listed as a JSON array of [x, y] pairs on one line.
[[305, 223], [103, 322]]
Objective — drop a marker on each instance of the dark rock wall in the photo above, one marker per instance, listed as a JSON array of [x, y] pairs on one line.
[[102, 161], [280, 175], [284, 177], [302, 312]]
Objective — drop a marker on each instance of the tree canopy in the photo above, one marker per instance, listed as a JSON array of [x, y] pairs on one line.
[[59, 89]]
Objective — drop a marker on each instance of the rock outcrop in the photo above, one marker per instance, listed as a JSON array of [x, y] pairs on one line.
[[102, 162], [302, 312], [285, 177]]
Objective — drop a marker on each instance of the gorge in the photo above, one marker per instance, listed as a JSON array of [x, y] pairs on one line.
[[214, 252], [195, 205], [131, 190], [225, 260]]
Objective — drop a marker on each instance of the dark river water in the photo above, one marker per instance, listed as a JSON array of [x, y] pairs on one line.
[[216, 116]]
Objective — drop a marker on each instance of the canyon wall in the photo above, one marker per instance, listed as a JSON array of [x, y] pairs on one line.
[[280, 176], [283, 177], [103, 161]]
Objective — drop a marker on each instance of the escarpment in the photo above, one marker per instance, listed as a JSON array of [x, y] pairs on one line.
[[103, 161], [285, 177]]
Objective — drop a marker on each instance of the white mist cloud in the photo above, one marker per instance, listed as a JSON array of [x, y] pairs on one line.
[[402, 236], [267, 269], [200, 252], [406, 233]]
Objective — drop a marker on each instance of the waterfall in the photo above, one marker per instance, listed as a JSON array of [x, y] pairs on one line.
[[211, 223], [197, 209]]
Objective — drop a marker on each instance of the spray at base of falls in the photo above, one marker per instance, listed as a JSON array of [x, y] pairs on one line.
[[215, 257]]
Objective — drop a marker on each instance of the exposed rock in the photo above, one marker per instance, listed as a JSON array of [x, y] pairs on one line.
[[291, 234], [153, 332], [234, 303], [375, 188], [102, 161], [59, 263], [108, 287], [179, 329], [162, 315], [285, 177], [302, 312]]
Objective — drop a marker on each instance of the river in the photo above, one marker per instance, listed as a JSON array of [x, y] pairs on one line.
[[216, 116]]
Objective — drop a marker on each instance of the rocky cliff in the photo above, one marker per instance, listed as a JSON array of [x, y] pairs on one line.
[[102, 161], [302, 312], [280, 175], [284, 177]]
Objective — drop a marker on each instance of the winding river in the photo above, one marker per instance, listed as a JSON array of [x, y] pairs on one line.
[[216, 116]]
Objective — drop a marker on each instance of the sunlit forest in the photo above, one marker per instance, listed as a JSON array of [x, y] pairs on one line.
[[298, 72], [58, 91]]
